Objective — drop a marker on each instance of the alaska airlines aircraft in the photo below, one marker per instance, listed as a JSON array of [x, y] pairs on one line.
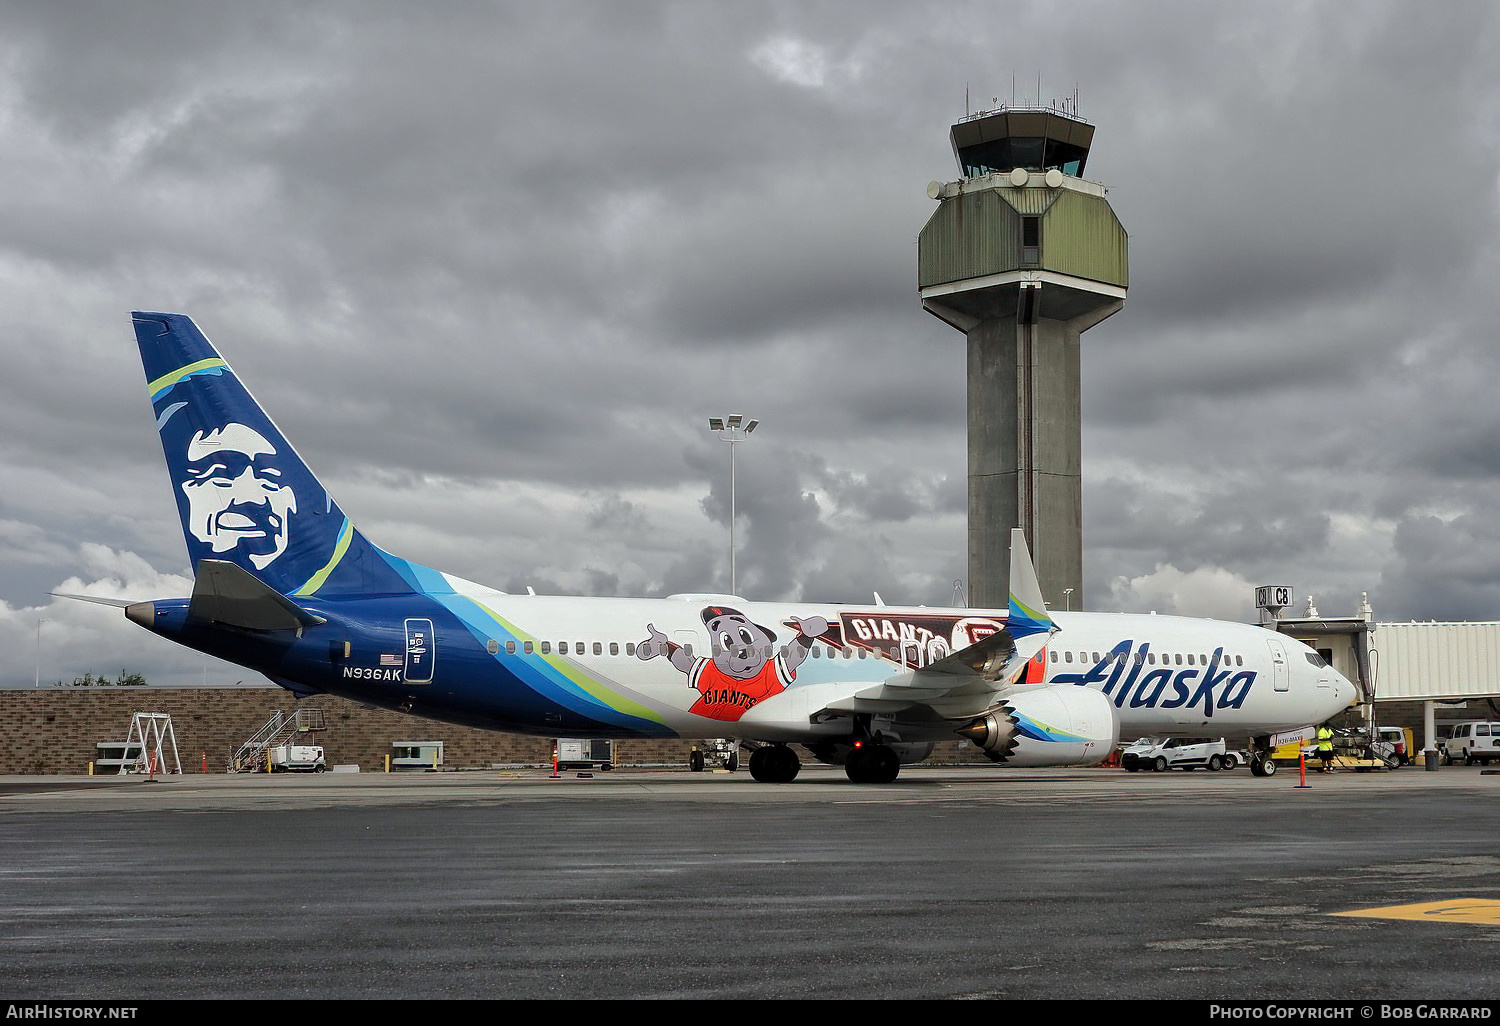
[[287, 586]]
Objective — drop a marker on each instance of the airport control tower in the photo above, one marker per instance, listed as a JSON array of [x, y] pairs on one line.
[[1023, 256]]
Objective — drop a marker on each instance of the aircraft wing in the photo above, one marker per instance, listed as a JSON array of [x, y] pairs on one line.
[[954, 684]]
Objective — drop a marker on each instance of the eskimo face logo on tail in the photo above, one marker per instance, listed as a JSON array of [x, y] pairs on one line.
[[236, 497]]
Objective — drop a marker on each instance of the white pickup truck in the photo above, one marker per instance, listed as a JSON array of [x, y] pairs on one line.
[[1187, 753]]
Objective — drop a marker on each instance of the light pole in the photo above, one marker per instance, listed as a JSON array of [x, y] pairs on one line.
[[38, 683], [1067, 599], [733, 429]]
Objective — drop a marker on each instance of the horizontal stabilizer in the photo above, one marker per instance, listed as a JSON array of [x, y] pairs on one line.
[[225, 593], [98, 599]]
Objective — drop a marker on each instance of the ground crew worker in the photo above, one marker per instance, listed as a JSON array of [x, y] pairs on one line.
[[1325, 748]]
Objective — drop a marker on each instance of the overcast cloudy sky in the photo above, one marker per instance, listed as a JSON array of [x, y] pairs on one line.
[[492, 267]]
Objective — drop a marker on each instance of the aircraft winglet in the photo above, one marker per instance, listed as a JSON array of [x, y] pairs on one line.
[[1028, 612]]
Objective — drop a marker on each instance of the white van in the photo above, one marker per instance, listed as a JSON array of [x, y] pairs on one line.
[[1474, 741]]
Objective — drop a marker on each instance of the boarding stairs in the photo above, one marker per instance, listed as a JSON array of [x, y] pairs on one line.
[[279, 729]]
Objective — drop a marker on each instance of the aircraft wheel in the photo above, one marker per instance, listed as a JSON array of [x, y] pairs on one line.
[[695, 761], [774, 764], [733, 762], [787, 764], [884, 764], [1160, 764]]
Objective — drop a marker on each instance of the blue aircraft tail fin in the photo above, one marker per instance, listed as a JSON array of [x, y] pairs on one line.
[[243, 493]]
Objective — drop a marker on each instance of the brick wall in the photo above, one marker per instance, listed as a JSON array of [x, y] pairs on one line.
[[54, 730]]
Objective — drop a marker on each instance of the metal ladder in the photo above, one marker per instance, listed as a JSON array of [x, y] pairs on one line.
[[279, 729]]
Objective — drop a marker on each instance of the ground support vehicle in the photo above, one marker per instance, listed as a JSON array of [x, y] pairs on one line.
[[1472, 741], [1353, 749], [1186, 753], [1401, 742], [585, 753], [296, 759]]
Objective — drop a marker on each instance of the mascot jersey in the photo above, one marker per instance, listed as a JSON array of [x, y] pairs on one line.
[[726, 698]]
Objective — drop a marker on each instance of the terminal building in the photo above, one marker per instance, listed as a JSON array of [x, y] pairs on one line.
[[1427, 675]]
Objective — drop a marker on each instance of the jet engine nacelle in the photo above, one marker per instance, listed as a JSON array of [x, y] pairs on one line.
[[1050, 725]]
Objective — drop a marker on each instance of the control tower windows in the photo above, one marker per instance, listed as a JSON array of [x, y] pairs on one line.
[[1034, 153]]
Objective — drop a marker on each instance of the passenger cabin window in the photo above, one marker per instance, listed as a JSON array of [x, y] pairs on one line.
[[630, 648], [598, 648], [526, 647], [546, 648], [614, 648], [562, 648]]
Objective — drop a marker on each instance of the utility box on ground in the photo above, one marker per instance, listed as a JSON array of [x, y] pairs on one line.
[[416, 755], [585, 753], [296, 759]]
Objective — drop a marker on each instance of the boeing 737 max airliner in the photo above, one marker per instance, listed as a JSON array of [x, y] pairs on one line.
[[287, 586]]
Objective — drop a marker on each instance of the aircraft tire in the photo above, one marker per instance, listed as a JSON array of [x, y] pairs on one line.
[[775, 764], [733, 762], [695, 762]]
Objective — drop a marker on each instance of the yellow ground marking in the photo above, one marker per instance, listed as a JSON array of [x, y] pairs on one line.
[[1484, 911]]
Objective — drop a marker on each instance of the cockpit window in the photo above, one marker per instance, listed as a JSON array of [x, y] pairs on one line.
[[1315, 659]]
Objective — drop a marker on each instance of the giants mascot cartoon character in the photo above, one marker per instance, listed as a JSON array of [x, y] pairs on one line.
[[742, 672]]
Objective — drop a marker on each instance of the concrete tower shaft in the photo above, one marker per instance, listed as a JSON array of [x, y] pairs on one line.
[[1023, 256]]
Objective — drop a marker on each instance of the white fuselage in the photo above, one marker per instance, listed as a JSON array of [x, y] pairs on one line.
[[1161, 673]]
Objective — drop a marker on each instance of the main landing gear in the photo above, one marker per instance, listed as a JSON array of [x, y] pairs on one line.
[[872, 763], [774, 764]]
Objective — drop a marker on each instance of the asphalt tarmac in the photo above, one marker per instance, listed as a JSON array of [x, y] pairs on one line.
[[950, 883]]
